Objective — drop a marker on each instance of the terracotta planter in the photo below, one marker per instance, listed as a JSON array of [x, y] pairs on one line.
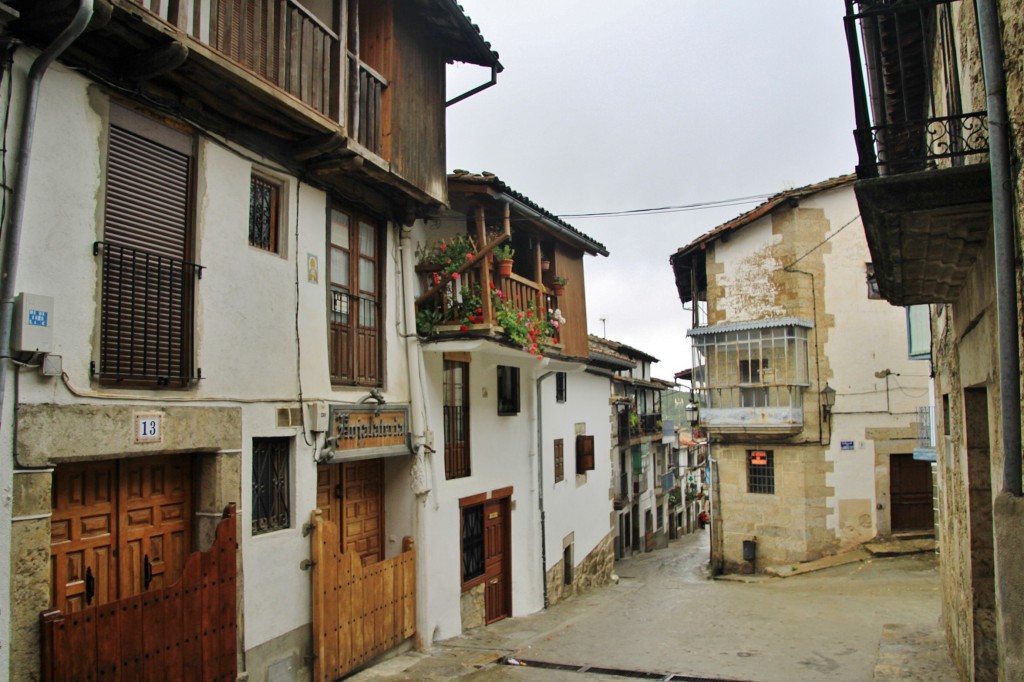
[[505, 268], [558, 290], [545, 265]]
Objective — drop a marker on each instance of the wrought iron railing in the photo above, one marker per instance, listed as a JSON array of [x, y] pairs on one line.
[[146, 316], [905, 63]]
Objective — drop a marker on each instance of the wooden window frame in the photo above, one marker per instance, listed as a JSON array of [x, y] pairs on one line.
[[508, 391], [271, 480], [761, 477], [355, 313], [561, 387], [272, 213], [559, 460], [457, 455], [585, 460]]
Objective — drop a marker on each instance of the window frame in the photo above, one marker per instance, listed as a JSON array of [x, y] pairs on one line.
[[561, 387], [585, 458], [458, 461], [278, 513], [559, 460], [508, 393], [275, 212], [761, 481], [350, 303]]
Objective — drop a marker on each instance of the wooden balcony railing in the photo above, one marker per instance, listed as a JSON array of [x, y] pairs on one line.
[[366, 92], [447, 304], [279, 40]]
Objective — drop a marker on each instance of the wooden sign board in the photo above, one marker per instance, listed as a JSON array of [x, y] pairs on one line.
[[365, 431]]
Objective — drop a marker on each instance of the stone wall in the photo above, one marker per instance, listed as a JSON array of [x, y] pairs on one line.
[[471, 606], [594, 571]]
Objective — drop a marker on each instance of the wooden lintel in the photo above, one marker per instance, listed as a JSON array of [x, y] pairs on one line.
[[318, 145]]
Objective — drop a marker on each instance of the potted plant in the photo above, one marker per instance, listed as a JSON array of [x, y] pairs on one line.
[[559, 285], [545, 263], [503, 255]]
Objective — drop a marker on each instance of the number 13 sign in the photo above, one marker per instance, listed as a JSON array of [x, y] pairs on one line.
[[149, 427]]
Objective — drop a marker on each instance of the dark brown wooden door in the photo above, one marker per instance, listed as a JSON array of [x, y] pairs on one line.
[[497, 590], [119, 528], [910, 494], [351, 495]]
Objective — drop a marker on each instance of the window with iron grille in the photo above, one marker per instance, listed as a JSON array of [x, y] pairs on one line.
[[270, 484], [472, 542], [761, 471], [456, 419], [264, 213], [559, 460], [356, 343], [561, 386], [148, 282], [508, 390]]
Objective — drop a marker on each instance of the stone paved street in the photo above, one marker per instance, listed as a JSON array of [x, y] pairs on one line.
[[871, 620]]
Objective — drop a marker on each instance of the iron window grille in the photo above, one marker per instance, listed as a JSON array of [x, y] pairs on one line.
[[146, 317], [456, 419], [561, 386], [761, 471], [270, 484], [264, 213], [472, 542], [508, 390]]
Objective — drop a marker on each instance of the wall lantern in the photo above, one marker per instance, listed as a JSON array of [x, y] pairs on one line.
[[828, 400], [691, 411]]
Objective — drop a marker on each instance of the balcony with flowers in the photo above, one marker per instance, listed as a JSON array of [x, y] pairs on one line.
[[499, 267]]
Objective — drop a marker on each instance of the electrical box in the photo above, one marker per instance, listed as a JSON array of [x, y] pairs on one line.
[[33, 324], [319, 416]]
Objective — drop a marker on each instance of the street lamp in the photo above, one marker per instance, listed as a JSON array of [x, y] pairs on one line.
[[828, 400], [691, 411]]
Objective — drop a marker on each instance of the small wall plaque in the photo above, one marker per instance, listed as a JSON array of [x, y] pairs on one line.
[[149, 427]]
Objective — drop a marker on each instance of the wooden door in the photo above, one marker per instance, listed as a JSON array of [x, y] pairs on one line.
[[497, 590], [118, 528], [154, 521], [351, 495], [910, 494], [83, 534]]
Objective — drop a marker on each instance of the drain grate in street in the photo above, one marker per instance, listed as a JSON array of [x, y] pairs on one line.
[[619, 672]]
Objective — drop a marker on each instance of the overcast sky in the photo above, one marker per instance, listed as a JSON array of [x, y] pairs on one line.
[[613, 106]]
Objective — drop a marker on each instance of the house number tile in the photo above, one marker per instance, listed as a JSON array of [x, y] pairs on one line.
[[149, 427]]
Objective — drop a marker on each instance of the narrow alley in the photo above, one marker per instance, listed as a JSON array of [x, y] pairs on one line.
[[874, 620]]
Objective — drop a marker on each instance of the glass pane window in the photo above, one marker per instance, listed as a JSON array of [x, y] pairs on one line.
[[264, 210], [356, 344]]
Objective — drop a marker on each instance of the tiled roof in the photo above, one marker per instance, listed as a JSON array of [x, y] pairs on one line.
[[465, 41], [495, 183], [620, 349], [764, 209]]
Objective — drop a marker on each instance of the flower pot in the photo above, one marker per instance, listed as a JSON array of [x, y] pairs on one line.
[[505, 268], [545, 264], [558, 290]]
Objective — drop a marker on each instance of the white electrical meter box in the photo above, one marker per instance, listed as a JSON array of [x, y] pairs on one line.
[[33, 324], [319, 416]]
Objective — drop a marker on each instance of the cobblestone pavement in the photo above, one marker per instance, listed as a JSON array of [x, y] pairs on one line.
[[873, 620]]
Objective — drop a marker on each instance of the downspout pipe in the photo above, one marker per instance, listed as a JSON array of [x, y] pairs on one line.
[[420, 475], [540, 488], [1005, 243], [479, 88], [12, 234]]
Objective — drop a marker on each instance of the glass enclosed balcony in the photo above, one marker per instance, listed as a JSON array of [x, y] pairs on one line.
[[751, 375]]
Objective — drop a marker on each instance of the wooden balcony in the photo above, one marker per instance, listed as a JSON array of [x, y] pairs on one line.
[[475, 299], [297, 84]]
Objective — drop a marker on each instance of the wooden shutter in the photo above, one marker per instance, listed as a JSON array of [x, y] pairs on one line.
[[584, 453], [147, 294]]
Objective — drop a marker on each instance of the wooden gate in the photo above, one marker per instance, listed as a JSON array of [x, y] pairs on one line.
[[359, 612], [185, 631]]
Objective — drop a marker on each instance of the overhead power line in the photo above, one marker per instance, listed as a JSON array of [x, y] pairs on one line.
[[699, 206]]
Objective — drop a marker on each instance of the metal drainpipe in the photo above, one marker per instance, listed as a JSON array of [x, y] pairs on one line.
[[1004, 242], [12, 235], [420, 486], [540, 488]]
